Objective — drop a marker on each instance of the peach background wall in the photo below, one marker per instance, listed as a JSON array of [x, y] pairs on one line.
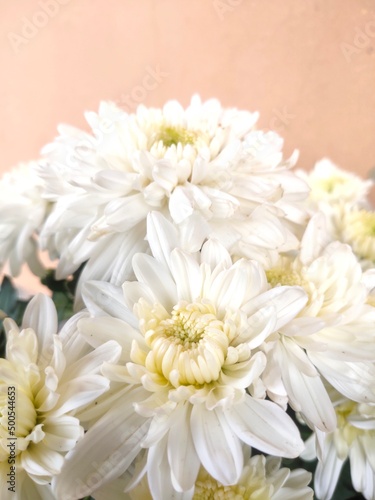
[[308, 66]]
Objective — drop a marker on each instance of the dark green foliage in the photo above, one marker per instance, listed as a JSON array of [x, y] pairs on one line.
[[10, 306]]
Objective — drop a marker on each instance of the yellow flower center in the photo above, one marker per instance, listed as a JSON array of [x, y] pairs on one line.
[[170, 136], [346, 431], [210, 489], [359, 232], [329, 184], [189, 346], [252, 486], [283, 276]]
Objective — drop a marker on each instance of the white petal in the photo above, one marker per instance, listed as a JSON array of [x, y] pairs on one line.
[[358, 466], [180, 206], [231, 288], [40, 315], [193, 231], [215, 254], [353, 380], [182, 457], [98, 331], [125, 213], [133, 291], [261, 325], [287, 300], [265, 426], [104, 453], [80, 392], [165, 175], [74, 345], [111, 259], [39, 460], [316, 231], [217, 446], [187, 276], [307, 394], [156, 276], [327, 473], [92, 362], [103, 298], [162, 236], [159, 475]]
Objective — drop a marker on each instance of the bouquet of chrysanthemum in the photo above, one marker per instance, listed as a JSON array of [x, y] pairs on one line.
[[211, 327]]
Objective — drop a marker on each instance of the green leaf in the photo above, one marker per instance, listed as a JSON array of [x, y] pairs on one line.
[[10, 306], [64, 305]]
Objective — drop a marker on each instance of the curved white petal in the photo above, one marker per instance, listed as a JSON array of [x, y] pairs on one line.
[[156, 276], [287, 300], [216, 444], [98, 331], [162, 237], [307, 394], [92, 362], [327, 473], [40, 315], [106, 299], [187, 275], [159, 475], [182, 456], [265, 426], [105, 451]]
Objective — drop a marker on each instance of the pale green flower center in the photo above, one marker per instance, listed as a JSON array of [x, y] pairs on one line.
[[187, 326], [176, 143], [210, 489], [251, 487], [189, 347], [346, 431], [283, 276], [359, 232], [329, 184], [173, 135], [365, 221]]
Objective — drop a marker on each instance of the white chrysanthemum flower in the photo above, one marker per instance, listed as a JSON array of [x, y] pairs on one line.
[[261, 478], [353, 439], [22, 212], [342, 197], [332, 185], [42, 384], [188, 328], [202, 166], [357, 228], [333, 335]]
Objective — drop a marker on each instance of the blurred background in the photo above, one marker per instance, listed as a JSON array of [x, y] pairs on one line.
[[307, 66]]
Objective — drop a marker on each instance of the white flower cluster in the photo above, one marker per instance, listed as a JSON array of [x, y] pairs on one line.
[[218, 288]]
